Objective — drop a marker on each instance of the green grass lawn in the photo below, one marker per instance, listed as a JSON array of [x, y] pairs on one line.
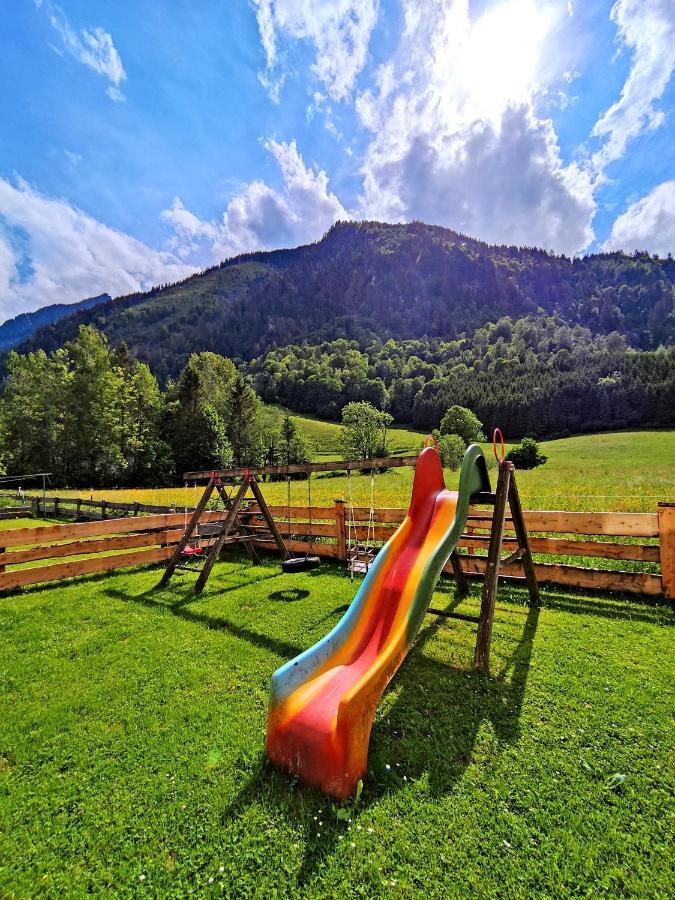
[[132, 729]]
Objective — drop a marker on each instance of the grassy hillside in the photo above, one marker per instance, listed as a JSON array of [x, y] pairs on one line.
[[628, 471], [325, 436]]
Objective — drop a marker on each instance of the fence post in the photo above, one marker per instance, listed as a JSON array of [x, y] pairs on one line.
[[104, 504], [2, 568], [340, 537], [56, 507], [136, 507], [666, 514]]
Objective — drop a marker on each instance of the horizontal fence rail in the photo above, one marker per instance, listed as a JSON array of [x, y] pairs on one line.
[[38, 554], [79, 508]]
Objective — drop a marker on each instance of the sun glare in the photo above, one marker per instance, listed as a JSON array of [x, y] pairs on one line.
[[503, 53]]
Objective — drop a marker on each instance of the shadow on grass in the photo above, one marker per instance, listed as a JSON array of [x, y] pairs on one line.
[[289, 595], [609, 606], [154, 598], [429, 731]]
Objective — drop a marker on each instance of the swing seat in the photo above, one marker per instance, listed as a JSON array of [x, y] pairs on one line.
[[295, 564], [192, 551]]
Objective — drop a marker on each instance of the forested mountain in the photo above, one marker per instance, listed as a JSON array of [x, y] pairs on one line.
[[22, 327], [368, 280], [416, 318]]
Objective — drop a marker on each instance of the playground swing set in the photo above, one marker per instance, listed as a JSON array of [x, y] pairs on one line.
[[323, 702]]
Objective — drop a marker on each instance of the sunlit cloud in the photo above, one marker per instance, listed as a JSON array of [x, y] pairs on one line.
[[260, 216], [649, 223], [339, 30], [646, 29], [53, 252]]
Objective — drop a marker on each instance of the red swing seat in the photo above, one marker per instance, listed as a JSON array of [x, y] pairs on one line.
[[192, 551]]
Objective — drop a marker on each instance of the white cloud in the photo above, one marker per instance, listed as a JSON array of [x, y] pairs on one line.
[[260, 217], [648, 224], [93, 47], [647, 29], [52, 252], [339, 30], [455, 136]]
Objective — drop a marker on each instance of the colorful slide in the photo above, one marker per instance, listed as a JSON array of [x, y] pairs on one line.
[[322, 702]]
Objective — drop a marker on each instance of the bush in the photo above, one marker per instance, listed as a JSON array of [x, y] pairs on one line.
[[460, 420], [451, 448], [526, 455]]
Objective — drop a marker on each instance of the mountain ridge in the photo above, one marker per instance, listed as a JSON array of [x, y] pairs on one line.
[[20, 328], [369, 278]]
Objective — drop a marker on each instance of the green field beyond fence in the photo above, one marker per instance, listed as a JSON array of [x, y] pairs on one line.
[[621, 471]]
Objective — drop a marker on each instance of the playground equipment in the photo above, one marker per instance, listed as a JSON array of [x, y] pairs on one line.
[[323, 702], [229, 529], [190, 553], [360, 554], [310, 560]]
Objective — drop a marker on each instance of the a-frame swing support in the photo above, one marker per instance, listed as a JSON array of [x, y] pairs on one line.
[[224, 528]]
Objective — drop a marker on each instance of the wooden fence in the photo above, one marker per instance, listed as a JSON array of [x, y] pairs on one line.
[[79, 508], [15, 512], [582, 535], [63, 551]]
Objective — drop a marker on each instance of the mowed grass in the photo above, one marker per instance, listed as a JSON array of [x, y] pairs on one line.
[[132, 727], [623, 471]]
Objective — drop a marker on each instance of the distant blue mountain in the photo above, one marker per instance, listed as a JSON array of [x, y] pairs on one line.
[[20, 328]]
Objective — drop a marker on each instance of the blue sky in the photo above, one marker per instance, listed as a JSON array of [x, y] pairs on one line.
[[142, 140]]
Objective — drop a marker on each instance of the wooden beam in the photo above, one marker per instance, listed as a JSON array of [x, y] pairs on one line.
[[458, 572], [192, 525], [345, 465], [38, 574], [572, 576], [523, 544], [250, 549], [667, 544], [77, 530], [453, 615], [326, 550], [218, 543], [481, 657], [297, 512], [83, 548], [565, 522], [267, 515], [340, 530]]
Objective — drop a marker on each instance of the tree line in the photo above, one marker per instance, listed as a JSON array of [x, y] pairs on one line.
[[93, 415], [533, 376]]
